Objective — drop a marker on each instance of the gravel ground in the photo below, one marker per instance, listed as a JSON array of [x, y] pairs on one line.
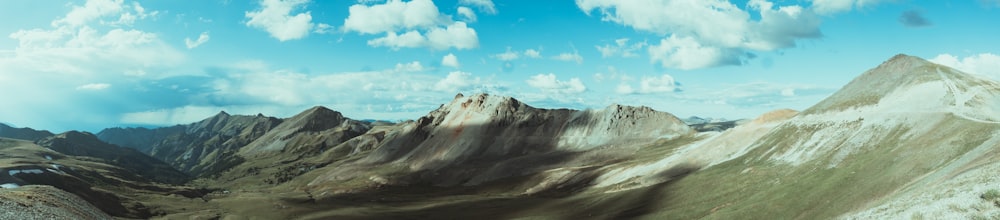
[[45, 202]]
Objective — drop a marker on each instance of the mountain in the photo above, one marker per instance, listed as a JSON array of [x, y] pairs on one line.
[[203, 148], [903, 130], [22, 133], [482, 138]]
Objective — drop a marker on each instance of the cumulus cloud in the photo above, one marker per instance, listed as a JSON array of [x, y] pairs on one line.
[[456, 81], [323, 28], [93, 86], [650, 85], [507, 56], [467, 14], [90, 43], [409, 67], [486, 6], [412, 39], [532, 53], [277, 19], [569, 57], [717, 31], [191, 44], [420, 22], [986, 64], [450, 60], [913, 18], [549, 84], [620, 48]]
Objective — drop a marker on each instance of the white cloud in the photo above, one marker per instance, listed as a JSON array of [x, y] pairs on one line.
[[507, 56], [93, 86], [661, 84], [837, 6], [275, 17], [393, 15], [620, 48], [409, 67], [323, 28], [456, 81], [649, 85], [191, 44], [420, 22], [624, 89], [412, 39], [718, 30], [90, 11], [467, 14], [986, 64], [456, 36], [569, 57], [483, 5], [450, 60], [549, 84], [788, 92], [532, 53], [687, 53]]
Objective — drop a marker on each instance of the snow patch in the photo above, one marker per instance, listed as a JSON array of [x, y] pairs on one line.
[[28, 171], [9, 185]]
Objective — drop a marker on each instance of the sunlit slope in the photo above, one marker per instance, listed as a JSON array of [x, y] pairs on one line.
[[906, 125]]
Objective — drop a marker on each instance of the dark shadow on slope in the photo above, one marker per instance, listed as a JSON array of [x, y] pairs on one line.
[[493, 200]]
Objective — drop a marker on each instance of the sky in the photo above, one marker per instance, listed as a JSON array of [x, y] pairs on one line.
[[88, 65]]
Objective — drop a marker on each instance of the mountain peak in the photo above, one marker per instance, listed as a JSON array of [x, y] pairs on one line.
[[897, 80], [222, 114]]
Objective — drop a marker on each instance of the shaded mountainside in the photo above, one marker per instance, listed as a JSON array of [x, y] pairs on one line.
[[481, 138], [22, 133], [202, 148]]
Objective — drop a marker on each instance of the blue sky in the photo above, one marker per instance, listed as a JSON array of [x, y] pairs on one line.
[[87, 65]]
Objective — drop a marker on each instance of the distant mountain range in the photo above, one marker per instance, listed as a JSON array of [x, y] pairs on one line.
[[906, 139]]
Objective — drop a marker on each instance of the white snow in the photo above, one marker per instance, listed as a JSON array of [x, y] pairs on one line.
[[28, 171], [9, 185], [47, 157]]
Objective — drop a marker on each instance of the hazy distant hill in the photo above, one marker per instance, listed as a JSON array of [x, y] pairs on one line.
[[22, 133]]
